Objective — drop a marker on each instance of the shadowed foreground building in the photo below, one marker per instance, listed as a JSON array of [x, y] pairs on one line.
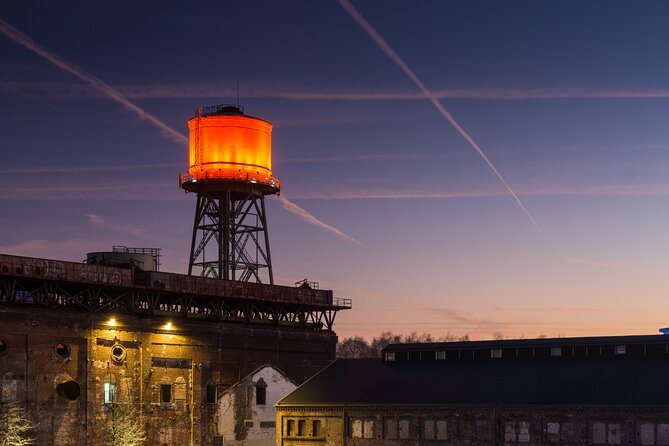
[[569, 391], [77, 340]]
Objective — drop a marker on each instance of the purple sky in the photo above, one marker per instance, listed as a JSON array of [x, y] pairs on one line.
[[568, 100]]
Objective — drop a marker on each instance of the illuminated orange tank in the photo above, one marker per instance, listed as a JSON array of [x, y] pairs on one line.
[[229, 148]]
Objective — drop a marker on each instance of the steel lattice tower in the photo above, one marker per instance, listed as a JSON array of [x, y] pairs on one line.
[[230, 171]]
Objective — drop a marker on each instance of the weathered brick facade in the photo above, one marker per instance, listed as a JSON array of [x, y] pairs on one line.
[[169, 374], [487, 425]]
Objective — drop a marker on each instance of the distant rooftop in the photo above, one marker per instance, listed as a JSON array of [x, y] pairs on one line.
[[598, 370]]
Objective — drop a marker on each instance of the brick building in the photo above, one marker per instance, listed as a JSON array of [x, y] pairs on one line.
[[78, 340], [568, 391], [246, 414]]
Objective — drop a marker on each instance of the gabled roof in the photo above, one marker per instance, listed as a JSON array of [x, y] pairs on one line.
[[579, 381], [246, 377]]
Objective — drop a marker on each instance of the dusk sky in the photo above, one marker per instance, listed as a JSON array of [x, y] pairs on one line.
[[569, 100]]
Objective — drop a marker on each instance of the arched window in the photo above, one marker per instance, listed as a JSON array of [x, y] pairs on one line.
[[261, 392]]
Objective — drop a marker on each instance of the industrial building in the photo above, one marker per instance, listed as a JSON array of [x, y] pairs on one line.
[[81, 344], [567, 391]]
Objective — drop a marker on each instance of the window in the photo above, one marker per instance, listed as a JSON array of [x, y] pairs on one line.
[[647, 434], [496, 353], [290, 428], [301, 425], [248, 423], [110, 393], [61, 350], [428, 430], [361, 428], [118, 353], [261, 396], [3, 346], [663, 433], [440, 354], [267, 424], [396, 429], [442, 430], [621, 349], [390, 431], [316, 428], [606, 433], [261, 392], [556, 351], [517, 432], [165, 393], [390, 356], [9, 387], [403, 431], [212, 394]]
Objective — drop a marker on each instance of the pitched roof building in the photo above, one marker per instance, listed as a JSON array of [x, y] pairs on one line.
[[246, 409], [602, 390]]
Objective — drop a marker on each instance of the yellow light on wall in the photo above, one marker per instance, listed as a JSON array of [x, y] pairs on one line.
[[168, 326], [111, 322]]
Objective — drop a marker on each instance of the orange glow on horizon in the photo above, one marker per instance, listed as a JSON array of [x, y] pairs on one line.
[[230, 147]]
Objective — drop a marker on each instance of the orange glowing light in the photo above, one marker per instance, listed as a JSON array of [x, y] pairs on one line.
[[230, 147]]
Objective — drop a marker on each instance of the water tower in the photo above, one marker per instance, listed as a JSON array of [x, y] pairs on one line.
[[230, 170]]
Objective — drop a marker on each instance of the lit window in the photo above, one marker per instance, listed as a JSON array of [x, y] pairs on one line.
[[496, 353], [390, 356], [361, 428], [621, 349], [556, 351], [165, 393], [110, 393], [441, 354]]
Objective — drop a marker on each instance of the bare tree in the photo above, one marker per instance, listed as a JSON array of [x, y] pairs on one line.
[[358, 347], [355, 347], [14, 425], [379, 343], [124, 426]]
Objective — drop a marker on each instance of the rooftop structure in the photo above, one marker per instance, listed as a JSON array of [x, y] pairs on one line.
[[101, 288]]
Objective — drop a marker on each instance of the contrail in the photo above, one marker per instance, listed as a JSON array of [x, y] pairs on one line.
[[117, 96], [109, 91], [360, 20], [306, 216]]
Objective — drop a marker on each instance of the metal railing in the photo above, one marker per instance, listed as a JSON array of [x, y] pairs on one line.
[[224, 175], [219, 109]]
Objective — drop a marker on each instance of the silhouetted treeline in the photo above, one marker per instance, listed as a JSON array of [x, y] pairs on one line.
[[359, 347]]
